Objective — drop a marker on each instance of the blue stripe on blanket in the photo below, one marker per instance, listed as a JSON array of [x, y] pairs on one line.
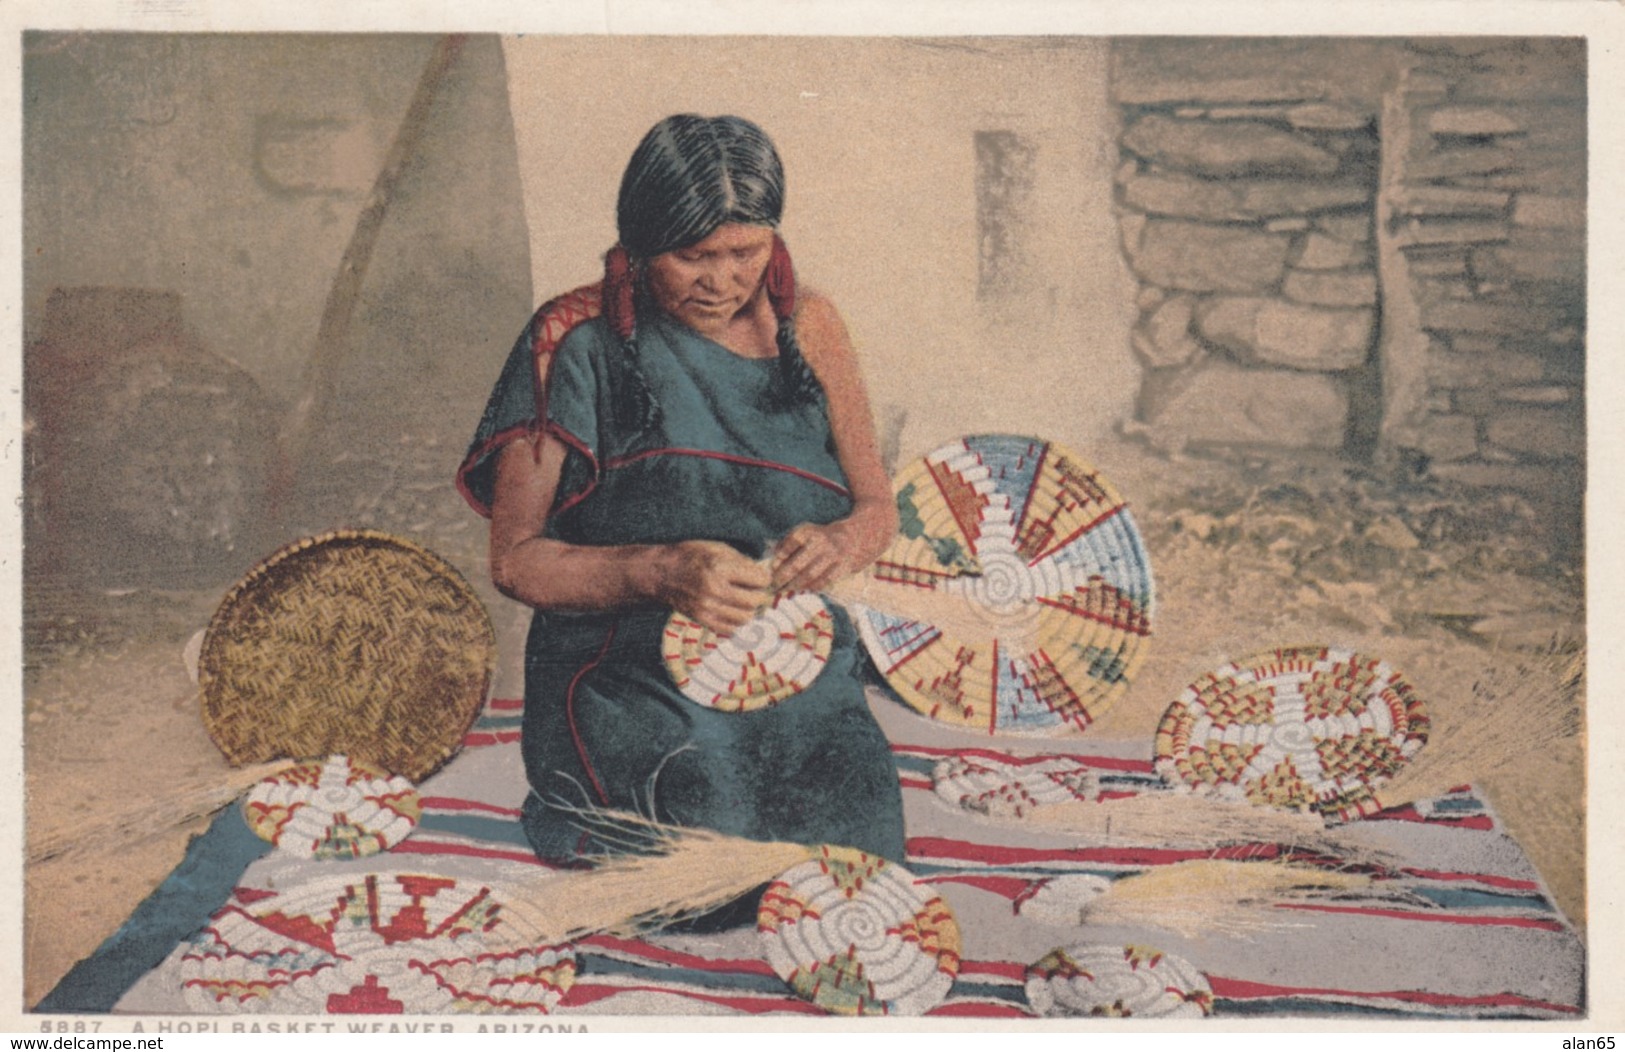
[[497, 830]]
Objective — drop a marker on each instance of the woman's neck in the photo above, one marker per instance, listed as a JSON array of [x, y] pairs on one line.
[[750, 333]]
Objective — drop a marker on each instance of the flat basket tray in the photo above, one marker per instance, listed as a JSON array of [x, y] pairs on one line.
[[352, 642]]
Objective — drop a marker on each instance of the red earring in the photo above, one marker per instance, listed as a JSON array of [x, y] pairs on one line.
[[781, 280], [617, 292]]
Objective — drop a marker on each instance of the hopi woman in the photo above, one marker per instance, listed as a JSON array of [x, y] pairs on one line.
[[652, 438]]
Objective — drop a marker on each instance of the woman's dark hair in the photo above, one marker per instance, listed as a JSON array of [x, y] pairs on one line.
[[689, 176], [692, 174]]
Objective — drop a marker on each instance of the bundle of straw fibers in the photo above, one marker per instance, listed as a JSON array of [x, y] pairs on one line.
[[850, 932], [1063, 795], [1520, 708], [1192, 899], [169, 808], [686, 872], [681, 873], [1176, 819]]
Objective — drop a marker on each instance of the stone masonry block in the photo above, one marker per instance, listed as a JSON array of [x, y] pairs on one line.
[[1201, 258], [1232, 149], [1341, 288], [1272, 332], [1218, 403]]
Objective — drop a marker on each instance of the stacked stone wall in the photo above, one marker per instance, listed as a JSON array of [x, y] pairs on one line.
[[1370, 246], [1487, 210], [1246, 204]]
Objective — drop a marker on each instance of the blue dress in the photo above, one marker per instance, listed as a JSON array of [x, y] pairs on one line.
[[604, 723]]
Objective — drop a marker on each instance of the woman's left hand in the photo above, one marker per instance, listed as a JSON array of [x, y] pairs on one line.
[[810, 558]]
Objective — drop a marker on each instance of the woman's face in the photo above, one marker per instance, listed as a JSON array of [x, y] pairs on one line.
[[707, 284]]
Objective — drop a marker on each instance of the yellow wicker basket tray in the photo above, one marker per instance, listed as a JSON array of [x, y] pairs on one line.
[[352, 642]]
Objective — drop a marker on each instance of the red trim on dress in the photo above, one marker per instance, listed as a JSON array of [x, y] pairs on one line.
[[548, 327], [581, 447], [570, 715], [489, 446]]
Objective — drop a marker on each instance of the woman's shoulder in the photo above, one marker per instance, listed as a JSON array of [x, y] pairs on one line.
[[574, 318], [814, 305], [819, 328]]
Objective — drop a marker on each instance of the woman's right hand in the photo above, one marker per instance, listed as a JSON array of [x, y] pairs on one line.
[[714, 584]]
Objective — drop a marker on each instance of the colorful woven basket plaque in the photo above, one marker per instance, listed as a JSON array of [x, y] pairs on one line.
[[353, 642], [1017, 597], [774, 656], [373, 945], [332, 810], [857, 935], [1117, 981], [999, 789], [1298, 727]]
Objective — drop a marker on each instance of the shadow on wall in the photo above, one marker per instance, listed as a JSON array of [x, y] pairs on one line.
[[143, 448], [188, 199]]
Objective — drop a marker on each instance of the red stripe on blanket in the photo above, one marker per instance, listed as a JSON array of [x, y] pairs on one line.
[[979, 1010], [419, 846], [1113, 763], [928, 848], [915, 783], [651, 952], [1440, 918], [1477, 878], [1242, 990], [506, 704], [478, 738], [586, 993], [452, 803], [1009, 887], [1011, 970], [1410, 814]]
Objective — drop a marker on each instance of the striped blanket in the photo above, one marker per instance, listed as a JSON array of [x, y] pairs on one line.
[[1457, 926]]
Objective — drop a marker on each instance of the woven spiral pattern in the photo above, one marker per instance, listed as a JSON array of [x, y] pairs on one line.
[[354, 642], [1042, 557], [373, 945], [999, 789], [1298, 727], [774, 656], [1117, 981], [858, 935], [332, 810]]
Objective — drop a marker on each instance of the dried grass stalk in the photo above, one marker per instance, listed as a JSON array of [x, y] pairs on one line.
[[137, 820], [1521, 706], [1212, 897], [1181, 820], [686, 872]]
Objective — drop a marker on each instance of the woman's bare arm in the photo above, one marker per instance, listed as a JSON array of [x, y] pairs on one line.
[[708, 581], [812, 557]]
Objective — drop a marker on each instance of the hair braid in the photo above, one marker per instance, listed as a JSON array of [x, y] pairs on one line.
[[797, 384]]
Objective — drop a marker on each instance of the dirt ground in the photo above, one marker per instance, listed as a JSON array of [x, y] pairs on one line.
[[1459, 590]]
